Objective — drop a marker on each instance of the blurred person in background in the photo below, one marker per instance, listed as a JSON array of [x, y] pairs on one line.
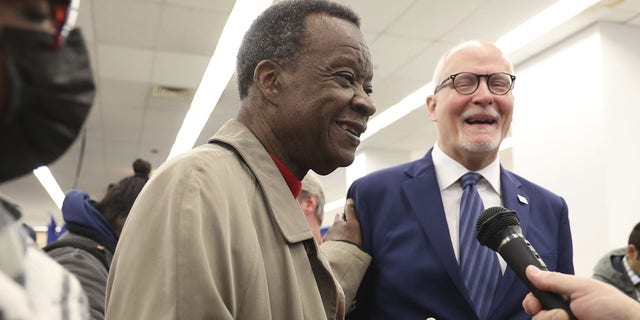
[[311, 200], [93, 229], [46, 92], [621, 267]]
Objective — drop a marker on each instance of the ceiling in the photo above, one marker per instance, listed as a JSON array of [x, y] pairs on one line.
[[137, 46]]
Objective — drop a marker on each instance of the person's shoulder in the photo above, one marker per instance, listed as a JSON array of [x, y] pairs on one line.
[[392, 173], [76, 251], [201, 159], [531, 186]]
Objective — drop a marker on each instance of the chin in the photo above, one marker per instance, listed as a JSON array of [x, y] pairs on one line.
[[481, 146], [333, 164]]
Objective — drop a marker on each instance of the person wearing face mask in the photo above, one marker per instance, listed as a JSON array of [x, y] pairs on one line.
[[418, 219], [47, 86], [46, 91]]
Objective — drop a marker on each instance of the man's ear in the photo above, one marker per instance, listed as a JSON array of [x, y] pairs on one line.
[[431, 107], [309, 205], [632, 252], [267, 77]]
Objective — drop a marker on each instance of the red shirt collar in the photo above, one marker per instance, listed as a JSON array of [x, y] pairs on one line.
[[292, 181]]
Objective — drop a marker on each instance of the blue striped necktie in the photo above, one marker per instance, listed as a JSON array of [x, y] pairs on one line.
[[478, 264]]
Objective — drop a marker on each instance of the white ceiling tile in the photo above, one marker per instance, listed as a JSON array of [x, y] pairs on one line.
[[489, 22], [172, 104], [179, 69], [168, 121], [190, 30], [126, 23], [629, 5], [380, 16], [218, 5], [124, 63], [391, 52], [615, 14], [159, 130], [430, 20], [121, 117], [422, 66], [123, 93], [119, 157]]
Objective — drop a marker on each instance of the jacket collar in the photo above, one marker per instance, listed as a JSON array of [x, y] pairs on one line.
[[283, 208]]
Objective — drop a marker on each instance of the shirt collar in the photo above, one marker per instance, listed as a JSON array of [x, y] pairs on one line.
[[448, 170], [292, 181]]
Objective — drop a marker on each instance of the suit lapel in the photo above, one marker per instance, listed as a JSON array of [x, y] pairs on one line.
[[423, 194]]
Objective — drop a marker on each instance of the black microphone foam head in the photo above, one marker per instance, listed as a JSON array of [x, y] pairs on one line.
[[492, 223]]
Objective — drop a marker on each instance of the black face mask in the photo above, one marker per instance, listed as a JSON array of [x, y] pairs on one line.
[[50, 94]]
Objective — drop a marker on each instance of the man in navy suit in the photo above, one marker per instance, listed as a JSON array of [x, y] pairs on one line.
[[410, 214]]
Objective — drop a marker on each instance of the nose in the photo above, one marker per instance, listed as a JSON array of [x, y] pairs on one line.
[[483, 95], [363, 103]]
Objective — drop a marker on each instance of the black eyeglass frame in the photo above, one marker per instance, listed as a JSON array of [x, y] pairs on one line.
[[478, 76]]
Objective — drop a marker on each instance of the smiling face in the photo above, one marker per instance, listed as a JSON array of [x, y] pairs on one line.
[[323, 105], [471, 127]]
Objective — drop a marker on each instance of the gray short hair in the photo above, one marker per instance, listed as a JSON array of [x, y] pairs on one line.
[[311, 185], [278, 34]]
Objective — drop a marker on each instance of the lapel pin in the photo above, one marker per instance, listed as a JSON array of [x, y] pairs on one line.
[[522, 199]]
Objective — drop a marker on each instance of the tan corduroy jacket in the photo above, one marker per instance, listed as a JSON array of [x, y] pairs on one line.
[[216, 234]]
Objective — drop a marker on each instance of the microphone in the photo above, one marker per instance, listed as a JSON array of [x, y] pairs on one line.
[[499, 229]]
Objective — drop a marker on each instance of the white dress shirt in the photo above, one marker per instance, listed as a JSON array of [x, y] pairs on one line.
[[448, 172]]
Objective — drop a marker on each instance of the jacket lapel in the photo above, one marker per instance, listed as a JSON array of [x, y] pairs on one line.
[[422, 191]]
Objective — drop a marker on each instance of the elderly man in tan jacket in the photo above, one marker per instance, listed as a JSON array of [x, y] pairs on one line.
[[217, 233]]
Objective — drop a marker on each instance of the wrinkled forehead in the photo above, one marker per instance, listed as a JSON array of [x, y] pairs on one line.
[[334, 37]]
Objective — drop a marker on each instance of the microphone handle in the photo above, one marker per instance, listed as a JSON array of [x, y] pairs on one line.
[[519, 253]]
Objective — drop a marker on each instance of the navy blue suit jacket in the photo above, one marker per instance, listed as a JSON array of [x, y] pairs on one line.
[[414, 273]]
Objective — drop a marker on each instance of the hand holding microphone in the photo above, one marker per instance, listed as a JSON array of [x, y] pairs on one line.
[[499, 229]]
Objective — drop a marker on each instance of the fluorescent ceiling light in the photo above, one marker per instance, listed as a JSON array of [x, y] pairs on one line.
[[218, 73], [529, 31], [542, 23], [43, 174]]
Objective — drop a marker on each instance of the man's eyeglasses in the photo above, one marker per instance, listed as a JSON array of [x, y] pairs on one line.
[[466, 83]]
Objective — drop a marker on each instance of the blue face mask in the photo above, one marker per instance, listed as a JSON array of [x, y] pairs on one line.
[[50, 95]]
